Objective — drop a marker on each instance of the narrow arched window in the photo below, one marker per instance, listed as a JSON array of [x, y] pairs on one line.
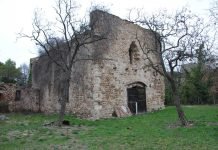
[[133, 52]]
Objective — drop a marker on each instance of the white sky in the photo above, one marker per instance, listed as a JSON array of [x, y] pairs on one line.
[[16, 15]]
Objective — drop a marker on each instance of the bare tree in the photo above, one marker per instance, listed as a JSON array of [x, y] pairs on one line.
[[24, 69], [214, 21], [214, 11], [61, 41], [177, 37]]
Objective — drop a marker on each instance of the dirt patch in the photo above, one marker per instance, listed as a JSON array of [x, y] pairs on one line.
[[12, 135], [50, 137], [70, 132], [178, 124]]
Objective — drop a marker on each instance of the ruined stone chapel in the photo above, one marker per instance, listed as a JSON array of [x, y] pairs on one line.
[[98, 86]]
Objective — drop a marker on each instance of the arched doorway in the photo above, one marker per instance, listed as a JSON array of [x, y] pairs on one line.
[[136, 93]]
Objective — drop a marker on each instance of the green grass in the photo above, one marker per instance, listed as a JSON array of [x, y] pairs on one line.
[[158, 130]]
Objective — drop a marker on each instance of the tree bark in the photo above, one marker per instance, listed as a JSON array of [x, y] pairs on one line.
[[179, 109], [62, 111], [64, 98]]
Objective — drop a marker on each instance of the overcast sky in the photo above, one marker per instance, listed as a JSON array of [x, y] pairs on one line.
[[16, 16]]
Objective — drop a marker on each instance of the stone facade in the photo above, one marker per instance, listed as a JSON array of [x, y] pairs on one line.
[[7, 94], [100, 83], [15, 98], [26, 99]]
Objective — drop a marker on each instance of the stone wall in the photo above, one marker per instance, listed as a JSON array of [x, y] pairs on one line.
[[29, 101], [46, 77], [7, 91], [7, 94], [101, 84], [100, 81]]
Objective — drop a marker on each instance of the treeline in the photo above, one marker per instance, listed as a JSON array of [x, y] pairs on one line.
[[196, 81], [195, 87], [9, 73]]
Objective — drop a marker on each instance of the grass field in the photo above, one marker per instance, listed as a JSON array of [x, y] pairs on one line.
[[157, 130]]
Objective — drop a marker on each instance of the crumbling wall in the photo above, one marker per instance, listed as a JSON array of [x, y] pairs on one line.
[[28, 101], [102, 72], [7, 94], [46, 77], [17, 98], [115, 71]]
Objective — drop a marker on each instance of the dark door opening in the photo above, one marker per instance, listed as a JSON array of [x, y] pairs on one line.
[[1, 96], [136, 99], [17, 95]]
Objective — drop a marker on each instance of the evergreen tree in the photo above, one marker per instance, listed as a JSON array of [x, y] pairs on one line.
[[8, 72], [196, 87]]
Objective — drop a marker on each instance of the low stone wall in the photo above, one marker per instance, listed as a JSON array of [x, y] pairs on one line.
[[29, 101], [7, 94]]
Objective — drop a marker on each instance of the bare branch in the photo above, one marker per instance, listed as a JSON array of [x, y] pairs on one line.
[[61, 41]]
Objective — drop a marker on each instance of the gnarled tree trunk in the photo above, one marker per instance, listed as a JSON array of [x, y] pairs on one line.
[[180, 112]]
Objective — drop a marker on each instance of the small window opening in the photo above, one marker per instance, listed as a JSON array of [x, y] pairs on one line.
[[17, 95]]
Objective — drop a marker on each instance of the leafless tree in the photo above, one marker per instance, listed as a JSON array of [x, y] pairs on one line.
[[61, 41], [214, 11], [24, 69], [177, 37], [214, 20]]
